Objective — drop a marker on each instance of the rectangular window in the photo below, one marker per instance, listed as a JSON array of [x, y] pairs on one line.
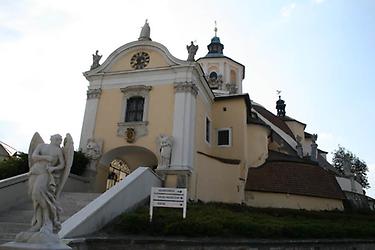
[[208, 130], [224, 137], [134, 109]]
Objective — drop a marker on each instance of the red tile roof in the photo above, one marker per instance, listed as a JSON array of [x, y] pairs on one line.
[[293, 178], [275, 120], [290, 119]]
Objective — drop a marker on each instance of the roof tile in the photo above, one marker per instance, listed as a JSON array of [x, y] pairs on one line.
[[277, 121], [293, 178]]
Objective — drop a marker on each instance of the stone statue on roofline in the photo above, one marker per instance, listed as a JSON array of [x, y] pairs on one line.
[[314, 138], [299, 146], [192, 50], [49, 169], [314, 147], [95, 60], [145, 32]]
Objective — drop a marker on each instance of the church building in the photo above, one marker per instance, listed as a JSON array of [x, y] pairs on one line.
[[190, 121]]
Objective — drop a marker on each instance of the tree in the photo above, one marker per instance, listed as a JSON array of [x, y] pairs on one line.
[[19, 164], [357, 167], [14, 165]]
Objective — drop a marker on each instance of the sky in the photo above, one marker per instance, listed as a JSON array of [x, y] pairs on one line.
[[319, 53]]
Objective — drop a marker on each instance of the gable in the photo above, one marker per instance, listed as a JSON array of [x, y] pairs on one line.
[[123, 61], [124, 58]]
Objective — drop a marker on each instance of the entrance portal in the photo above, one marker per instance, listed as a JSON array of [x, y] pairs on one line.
[[118, 170], [120, 162]]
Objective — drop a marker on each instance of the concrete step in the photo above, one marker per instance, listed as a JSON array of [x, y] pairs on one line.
[[3, 241], [28, 205], [13, 227], [18, 218], [6, 237]]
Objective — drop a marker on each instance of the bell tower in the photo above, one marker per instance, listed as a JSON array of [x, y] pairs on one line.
[[223, 74]]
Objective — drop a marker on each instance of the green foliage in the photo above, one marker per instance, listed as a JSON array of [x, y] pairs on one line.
[[80, 162], [224, 220], [358, 167], [15, 165], [18, 164]]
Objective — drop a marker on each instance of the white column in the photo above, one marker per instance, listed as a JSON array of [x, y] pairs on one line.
[[184, 126], [239, 80], [222, 70], [227, 73], [88, 125]]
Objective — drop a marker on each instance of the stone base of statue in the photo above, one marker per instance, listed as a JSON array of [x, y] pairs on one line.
[[28, 246], [36, 240]]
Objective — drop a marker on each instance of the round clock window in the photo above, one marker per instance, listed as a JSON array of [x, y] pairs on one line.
[[140, 60]]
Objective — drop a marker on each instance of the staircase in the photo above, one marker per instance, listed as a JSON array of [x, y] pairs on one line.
[[18, 218]]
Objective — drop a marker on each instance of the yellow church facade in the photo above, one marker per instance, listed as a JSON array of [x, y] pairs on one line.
[[189, 121]]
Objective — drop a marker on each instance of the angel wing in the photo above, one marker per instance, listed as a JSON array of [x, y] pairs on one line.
[[68, 151], [35, 141]]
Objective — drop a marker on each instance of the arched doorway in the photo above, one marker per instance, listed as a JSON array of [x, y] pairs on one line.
[[118, 170], [119, 162]]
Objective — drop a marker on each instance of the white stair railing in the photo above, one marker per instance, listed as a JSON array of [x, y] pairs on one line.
[[122, 197]]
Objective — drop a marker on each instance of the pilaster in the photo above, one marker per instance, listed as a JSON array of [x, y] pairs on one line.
[[88, 126], [184, 125]]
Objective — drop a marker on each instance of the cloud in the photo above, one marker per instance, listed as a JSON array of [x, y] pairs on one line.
[[286, 11], [8, 34], [318, 1]]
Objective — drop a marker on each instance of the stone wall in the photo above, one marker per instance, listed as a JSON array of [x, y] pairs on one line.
[[148, 243]]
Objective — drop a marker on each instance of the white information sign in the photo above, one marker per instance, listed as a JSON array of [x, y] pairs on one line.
[[168, 197]]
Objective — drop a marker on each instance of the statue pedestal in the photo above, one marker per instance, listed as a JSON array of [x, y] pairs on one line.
[[29, 246], [174, 177]]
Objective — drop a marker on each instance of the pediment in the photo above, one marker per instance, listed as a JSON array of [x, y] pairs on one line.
[[128, 57]]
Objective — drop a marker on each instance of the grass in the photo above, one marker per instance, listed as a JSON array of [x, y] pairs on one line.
[[218, 220]]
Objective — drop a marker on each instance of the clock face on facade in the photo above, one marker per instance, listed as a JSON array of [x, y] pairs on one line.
[[140, 60]]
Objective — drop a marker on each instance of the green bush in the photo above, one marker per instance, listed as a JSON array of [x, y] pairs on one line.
[[18, 164], [80, 162], [15, 165]]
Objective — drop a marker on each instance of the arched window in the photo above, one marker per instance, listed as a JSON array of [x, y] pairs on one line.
[[134, 109]]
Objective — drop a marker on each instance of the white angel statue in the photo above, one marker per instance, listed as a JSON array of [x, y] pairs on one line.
[[49, 169]]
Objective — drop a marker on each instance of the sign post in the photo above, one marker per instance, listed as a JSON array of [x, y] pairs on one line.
[[168, 197]]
